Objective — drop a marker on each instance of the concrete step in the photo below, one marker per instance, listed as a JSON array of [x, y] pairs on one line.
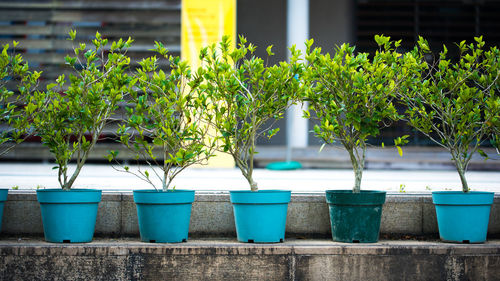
[[226, 259]]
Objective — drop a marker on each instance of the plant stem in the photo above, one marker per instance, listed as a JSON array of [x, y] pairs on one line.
[[164, 181], [461, 173], [79, 166], [165, 168], [358, 174], [465, 186], [358, 164], [460, 164], [253, 184]]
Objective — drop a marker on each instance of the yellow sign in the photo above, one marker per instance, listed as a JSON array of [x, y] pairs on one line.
[[204, 22]]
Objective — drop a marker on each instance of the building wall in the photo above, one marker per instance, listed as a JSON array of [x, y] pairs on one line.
[[264, 23], [41, 26]]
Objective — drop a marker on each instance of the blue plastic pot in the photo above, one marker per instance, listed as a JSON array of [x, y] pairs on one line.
[[260, 216], [164, 216], [69, 216], [3, 197], [463, 217]]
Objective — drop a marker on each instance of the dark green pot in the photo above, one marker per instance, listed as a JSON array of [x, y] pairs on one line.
[[355, 217]]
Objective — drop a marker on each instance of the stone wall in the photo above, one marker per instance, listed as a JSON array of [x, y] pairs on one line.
[[228, 260], [212, 215]]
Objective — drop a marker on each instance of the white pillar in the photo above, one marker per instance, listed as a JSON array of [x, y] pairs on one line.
[[297, 33]]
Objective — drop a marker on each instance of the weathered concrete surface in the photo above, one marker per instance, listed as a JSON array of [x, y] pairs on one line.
[[126, 259], [402, 214], [212, 215], [22, 214], [210, 210], [109, 224]]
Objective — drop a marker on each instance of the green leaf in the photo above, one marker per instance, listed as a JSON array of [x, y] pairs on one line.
[[88, 54], [482, 153], [269, 50], [72, 35], [321, 147], [400, 151]]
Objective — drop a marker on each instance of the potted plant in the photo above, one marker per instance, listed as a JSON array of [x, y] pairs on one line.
[[71, 124], [352, 96], [245, 93], [457, 105], [16, 109], [165, 113]]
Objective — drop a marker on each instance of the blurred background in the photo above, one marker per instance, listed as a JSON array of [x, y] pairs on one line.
[[42, 26]]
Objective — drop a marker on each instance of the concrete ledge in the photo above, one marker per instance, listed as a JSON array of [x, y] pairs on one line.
[[126, 259], [212, 215]]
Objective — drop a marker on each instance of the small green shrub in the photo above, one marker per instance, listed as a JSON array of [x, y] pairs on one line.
[[16, 108], [455, 104], [166, 112], [78, 108], [245, 93], [352, 96]]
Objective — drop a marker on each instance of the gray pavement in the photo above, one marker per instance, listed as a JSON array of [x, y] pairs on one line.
[[100, 176]]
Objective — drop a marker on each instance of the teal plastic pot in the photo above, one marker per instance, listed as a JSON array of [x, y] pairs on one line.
[[69, 216], [3, 197], [463, 217], [355, 217], [260, 216], [164, 216]]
